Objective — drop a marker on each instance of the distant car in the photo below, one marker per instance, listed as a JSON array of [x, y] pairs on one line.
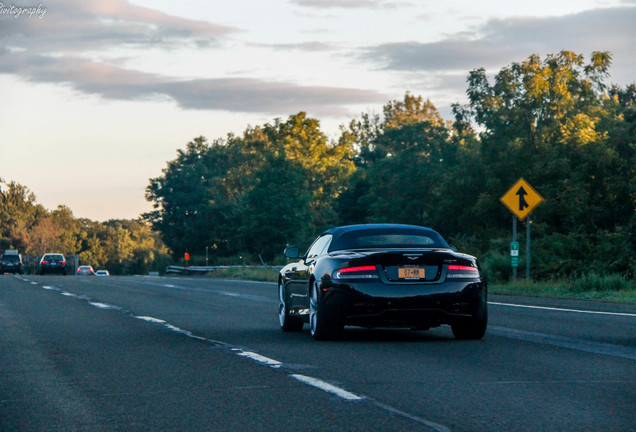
[[85, 271], [102, 273], [53, 263], [381, 275], [11, 262]]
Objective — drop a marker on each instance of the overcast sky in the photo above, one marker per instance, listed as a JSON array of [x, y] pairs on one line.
[[96, 96]]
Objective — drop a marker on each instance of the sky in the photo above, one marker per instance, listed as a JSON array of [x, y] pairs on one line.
[[97, 96]]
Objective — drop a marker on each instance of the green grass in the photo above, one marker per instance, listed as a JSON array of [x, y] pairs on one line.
[[610, 288], [263, 274]]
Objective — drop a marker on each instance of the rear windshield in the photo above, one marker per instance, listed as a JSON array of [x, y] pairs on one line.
[[11, 258], [389, 238], [53, 258]]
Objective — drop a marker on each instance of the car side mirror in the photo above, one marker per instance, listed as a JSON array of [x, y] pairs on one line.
[[292, 252]]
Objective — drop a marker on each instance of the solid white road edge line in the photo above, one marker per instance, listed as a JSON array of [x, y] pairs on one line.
[[563, 309]]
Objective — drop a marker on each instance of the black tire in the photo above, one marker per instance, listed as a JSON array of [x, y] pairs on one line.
[[322, 326], [473, 327], [287, 322]]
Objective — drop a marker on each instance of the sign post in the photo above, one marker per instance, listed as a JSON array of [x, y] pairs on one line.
[[520, 199]]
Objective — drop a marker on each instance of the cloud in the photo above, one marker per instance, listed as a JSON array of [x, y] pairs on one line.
[[57, 49], [229, 94], [500, 42], [314, 46], [254, 95], [79, 25], [350, 4]]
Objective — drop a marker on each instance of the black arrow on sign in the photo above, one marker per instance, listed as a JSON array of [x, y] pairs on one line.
[[522, 198]]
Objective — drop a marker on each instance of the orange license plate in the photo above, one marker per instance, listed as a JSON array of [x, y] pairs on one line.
[[411, 273]]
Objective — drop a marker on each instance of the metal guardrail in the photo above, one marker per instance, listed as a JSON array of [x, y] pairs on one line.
[[206, 269]]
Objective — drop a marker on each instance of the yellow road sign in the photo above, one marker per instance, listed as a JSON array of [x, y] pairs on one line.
[[521, 199]]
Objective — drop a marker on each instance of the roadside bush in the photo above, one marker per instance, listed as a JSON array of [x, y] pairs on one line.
[[496, 266], [598, 282]]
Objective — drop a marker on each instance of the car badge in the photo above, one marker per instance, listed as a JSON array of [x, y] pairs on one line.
[[412, 257]]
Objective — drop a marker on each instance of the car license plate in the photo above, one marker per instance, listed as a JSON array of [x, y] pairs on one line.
[[411, 273]]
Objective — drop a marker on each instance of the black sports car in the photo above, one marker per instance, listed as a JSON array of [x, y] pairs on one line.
[[382, 275]]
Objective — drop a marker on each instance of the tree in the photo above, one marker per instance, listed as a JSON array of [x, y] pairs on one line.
[[551, 122], [405, 159], [225, 204]]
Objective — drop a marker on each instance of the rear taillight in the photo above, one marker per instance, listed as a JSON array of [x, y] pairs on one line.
[[45, 262], [460, 271], [364, 272], [63, 262]]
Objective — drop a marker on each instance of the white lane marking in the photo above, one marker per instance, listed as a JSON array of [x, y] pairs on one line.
[[183, 332], [151, 319], [435, 426], [252, 297], [325, 386], [68, 294], [322, 385], [563, 309], [259, 358], [565, 342], [171, 327], [104, 306]]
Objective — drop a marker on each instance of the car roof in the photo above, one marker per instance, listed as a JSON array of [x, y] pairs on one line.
[[340, 233], [337, 231]]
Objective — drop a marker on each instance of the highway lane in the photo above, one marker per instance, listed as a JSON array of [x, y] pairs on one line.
[[544, 364]]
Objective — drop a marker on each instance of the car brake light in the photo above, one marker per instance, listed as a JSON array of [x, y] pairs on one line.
[[366, 272], [460, 271]]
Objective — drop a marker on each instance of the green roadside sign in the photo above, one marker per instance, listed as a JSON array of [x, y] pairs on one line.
[[514, 254]]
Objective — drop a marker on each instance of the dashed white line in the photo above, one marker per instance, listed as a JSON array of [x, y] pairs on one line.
[[325, 386], [314, 382], [104, 306], [151, 319], [259, 358]]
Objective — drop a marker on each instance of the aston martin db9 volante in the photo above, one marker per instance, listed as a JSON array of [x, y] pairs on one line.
[[381, 275]]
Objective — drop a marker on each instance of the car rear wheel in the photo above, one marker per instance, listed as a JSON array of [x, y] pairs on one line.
[[287, 323], [320, 324], [473, 327]]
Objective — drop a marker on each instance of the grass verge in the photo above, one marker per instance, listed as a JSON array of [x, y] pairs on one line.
[[250, 273], [611, 288]]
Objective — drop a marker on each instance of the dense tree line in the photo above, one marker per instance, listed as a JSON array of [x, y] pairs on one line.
[[553, 121], [121, 246]]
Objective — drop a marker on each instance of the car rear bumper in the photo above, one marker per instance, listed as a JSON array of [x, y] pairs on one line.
[[408, 305], [11, 269], [44, 270]]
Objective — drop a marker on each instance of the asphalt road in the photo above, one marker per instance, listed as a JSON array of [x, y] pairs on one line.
[[195, 354]]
